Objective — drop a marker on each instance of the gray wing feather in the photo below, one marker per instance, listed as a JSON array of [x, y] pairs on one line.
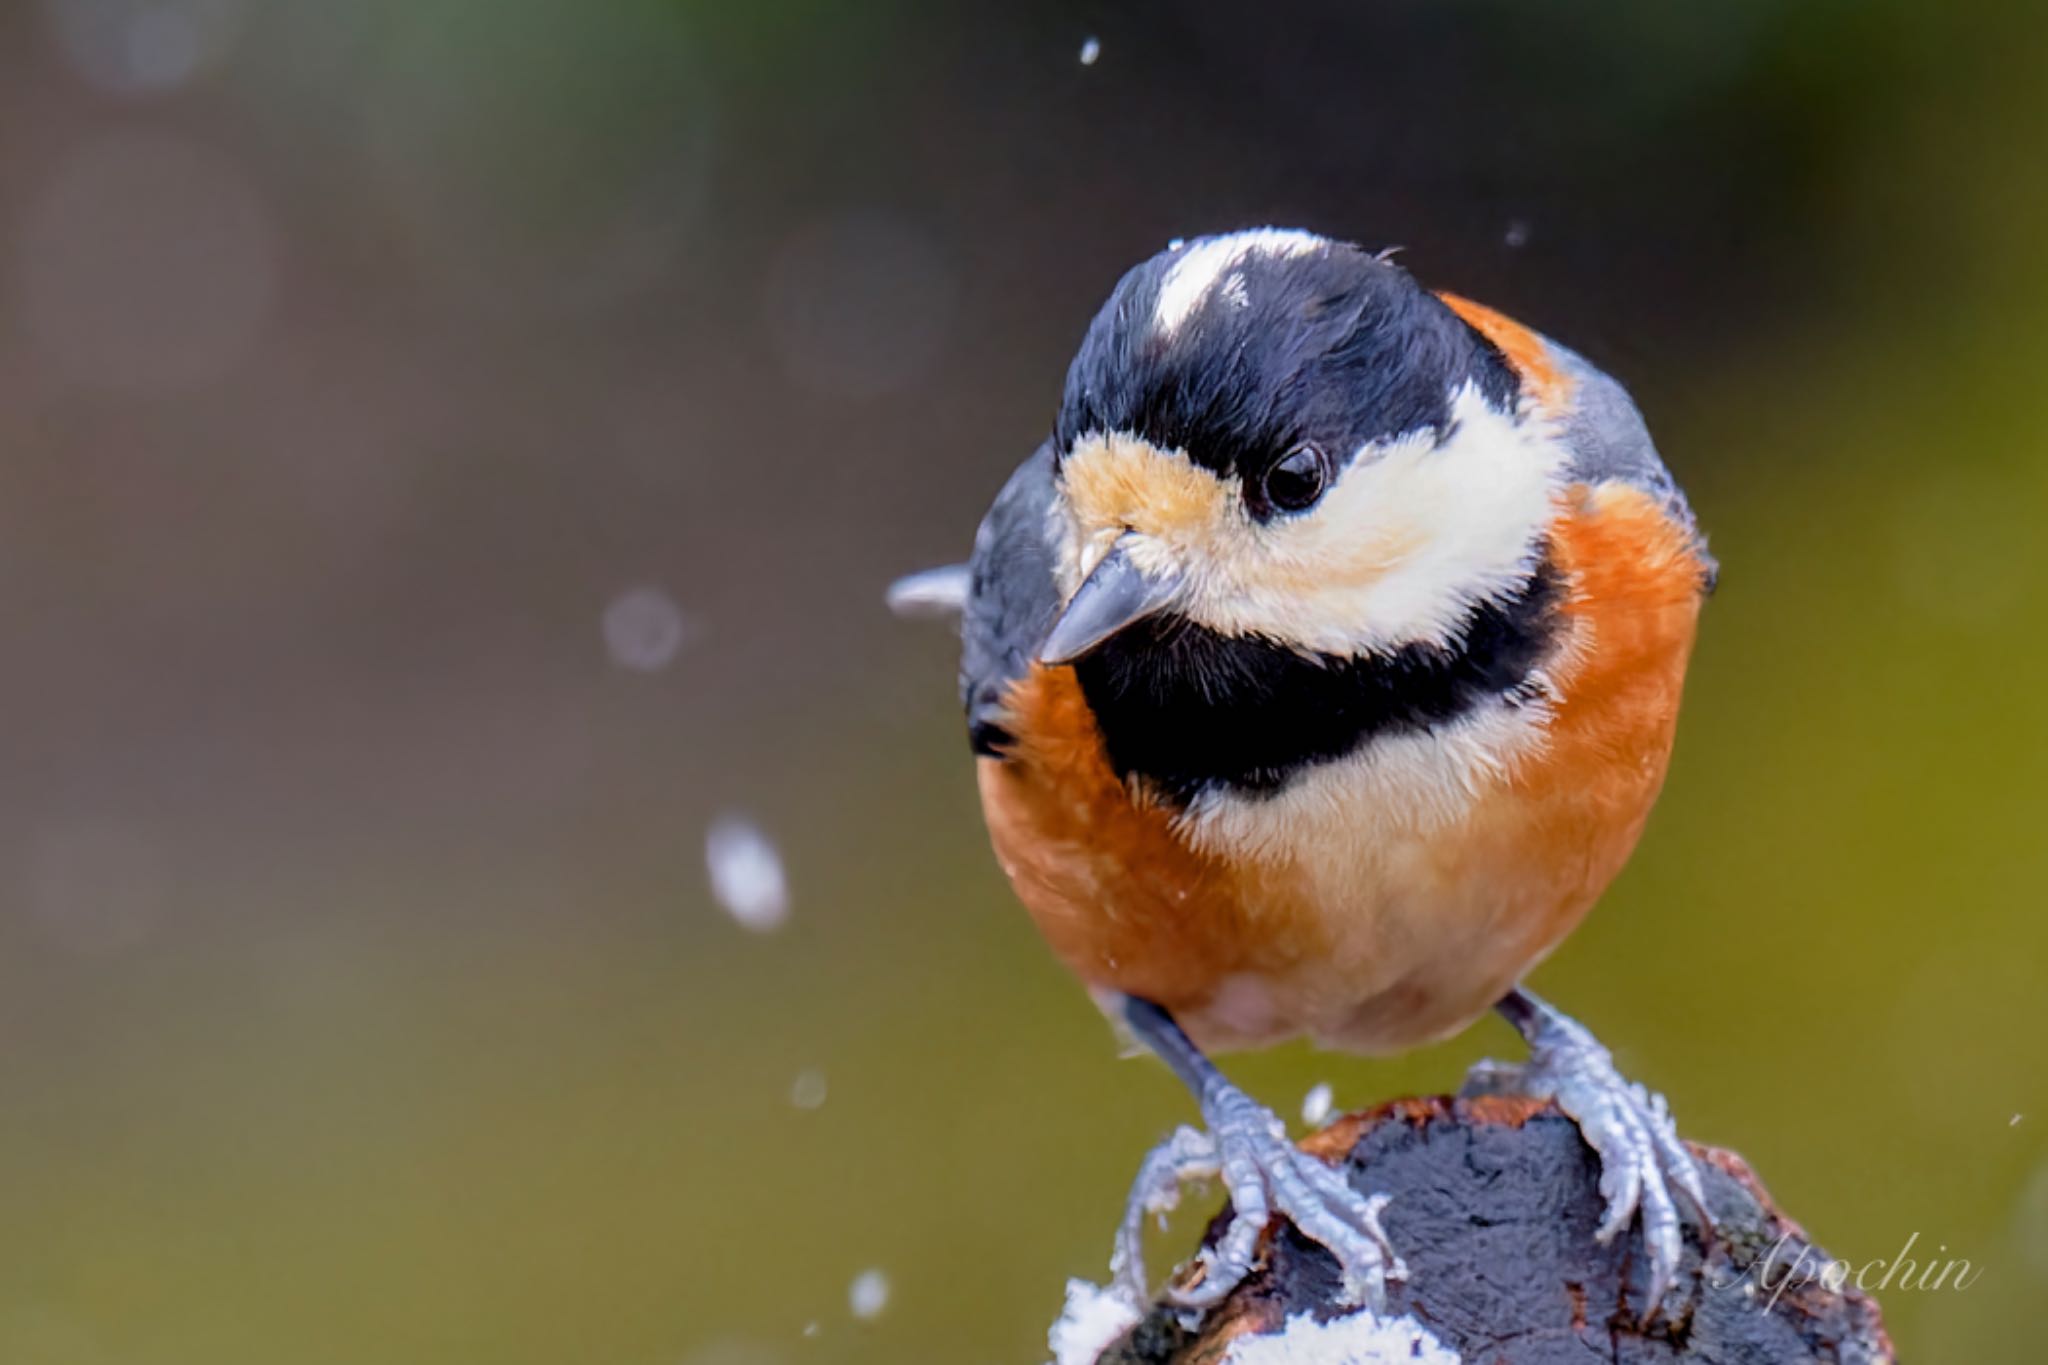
[[1012, 597], [1609, 441]]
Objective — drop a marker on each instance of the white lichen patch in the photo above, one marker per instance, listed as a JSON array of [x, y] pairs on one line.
[[1361, 1339], [1092, 1319]]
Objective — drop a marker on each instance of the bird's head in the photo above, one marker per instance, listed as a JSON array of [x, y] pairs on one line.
[[1280, 437]]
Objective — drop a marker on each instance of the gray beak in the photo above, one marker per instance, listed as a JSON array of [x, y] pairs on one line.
[[1117, 594]]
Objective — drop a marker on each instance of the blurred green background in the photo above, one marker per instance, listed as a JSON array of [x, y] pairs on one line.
[[453, 452]]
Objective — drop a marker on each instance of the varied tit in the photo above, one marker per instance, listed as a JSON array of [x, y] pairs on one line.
[[1322, 668]]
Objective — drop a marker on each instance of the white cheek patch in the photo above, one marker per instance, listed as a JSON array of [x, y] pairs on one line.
[[1412, 537], [1200, 269]]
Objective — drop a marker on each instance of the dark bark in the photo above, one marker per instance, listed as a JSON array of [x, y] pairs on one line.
[[1494, 1207]]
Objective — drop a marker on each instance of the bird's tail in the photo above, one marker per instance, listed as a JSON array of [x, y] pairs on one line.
[[933, 595]]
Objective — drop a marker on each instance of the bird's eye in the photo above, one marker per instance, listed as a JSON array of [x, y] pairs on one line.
[[1297, 480]]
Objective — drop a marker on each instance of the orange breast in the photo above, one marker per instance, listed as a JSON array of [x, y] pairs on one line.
[[1537, 851], [1399, 935], [1121, 898]]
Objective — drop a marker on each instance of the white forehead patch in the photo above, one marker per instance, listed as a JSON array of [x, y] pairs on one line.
[[1201, 268], [1234, 291]]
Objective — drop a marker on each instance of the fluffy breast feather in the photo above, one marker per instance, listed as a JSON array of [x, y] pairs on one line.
[[1397, 897]]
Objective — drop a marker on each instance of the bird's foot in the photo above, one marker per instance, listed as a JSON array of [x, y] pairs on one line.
[[1642, 1161], [1188, 1157], [1264, 1174]]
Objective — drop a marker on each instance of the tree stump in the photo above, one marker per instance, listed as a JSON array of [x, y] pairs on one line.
[[1495, 1202]]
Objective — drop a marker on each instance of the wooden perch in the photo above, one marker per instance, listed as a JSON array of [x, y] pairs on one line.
[[1494, 1206]]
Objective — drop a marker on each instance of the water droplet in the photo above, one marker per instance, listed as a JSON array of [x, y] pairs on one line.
[[807, 1091], [144, 47], [644, 630], [1316, 1105], [746, 874], [868, 1295]]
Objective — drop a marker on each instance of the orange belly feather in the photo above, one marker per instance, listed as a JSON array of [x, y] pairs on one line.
[[1401, 948]]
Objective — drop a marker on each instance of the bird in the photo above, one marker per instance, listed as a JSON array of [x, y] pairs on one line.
[[1321, 666]]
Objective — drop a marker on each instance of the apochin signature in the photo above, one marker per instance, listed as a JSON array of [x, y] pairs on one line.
[[1791, 1264]]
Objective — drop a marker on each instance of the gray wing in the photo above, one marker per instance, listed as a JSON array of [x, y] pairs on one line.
[[1609, 440], [1011, 597]]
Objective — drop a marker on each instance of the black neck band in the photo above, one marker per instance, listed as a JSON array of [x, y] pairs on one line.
[[1187, 708]]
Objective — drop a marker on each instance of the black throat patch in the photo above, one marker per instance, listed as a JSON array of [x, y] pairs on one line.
[[1187, 709]]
